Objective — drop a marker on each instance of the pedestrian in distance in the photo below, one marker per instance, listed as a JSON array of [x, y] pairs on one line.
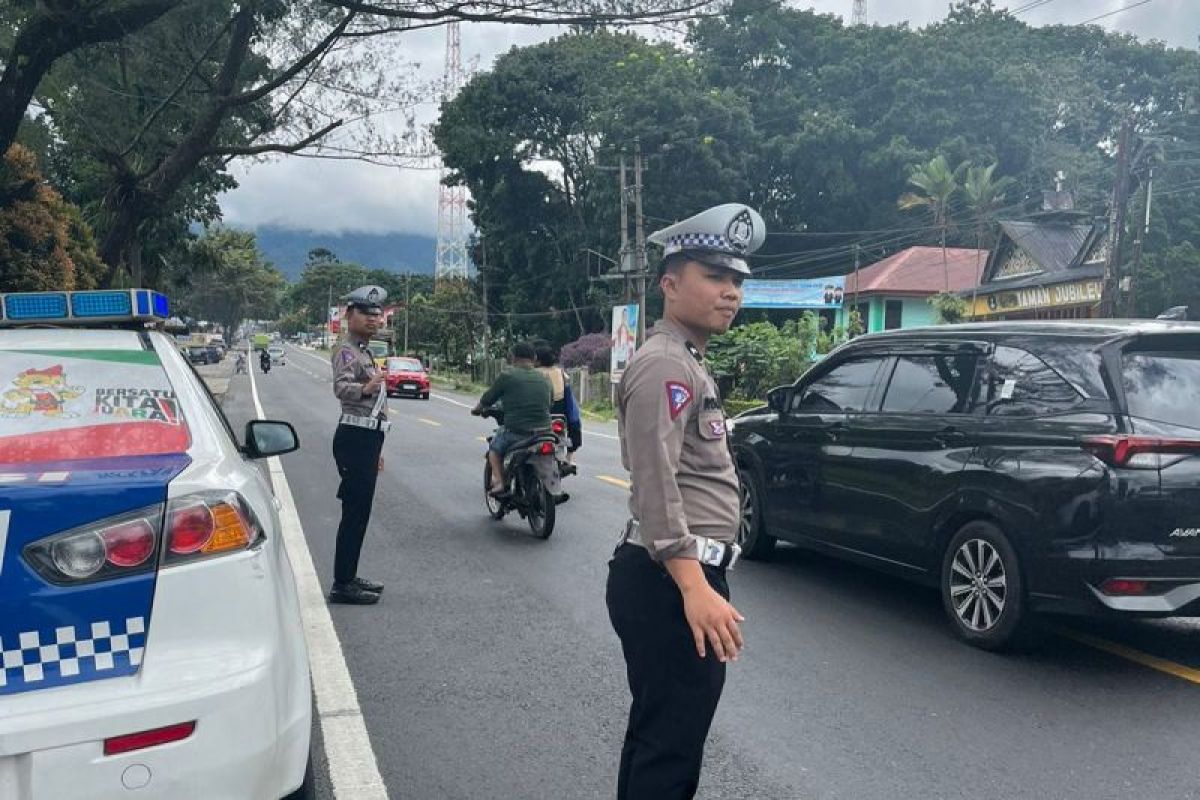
[[358, 442], [667, 594]]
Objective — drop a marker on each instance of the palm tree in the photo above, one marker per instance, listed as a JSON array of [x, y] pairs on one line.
[[938, 184], [985, 196]]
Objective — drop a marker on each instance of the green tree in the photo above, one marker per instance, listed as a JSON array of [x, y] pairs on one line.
[[984, 197], [44, 243], [938, 184], [229, 281]]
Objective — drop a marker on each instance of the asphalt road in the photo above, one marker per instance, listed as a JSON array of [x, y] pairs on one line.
[[489, 669]]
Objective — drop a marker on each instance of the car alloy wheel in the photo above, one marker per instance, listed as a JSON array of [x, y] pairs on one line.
[[752, 536], [978, 585], [746, 525]]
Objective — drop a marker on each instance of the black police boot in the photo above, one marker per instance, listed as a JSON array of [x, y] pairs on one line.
[[352, 594], [370, 586]]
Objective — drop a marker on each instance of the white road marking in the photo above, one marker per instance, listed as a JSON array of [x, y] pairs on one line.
[[353, 769], [4, 515], [318, 359], [450, 400]]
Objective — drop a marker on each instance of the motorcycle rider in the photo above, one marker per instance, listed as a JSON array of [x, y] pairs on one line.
[[525, 395], [264, 361]]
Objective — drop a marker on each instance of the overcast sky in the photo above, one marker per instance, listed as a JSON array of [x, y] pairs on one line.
[[350, 196]]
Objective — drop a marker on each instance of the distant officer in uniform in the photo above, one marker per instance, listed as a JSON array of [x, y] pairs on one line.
[[357, 445], [667, 595]]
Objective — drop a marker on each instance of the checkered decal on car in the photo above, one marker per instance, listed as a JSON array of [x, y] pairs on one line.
[[71, 654]]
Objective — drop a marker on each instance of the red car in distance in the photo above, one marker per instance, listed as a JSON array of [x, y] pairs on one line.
[[406, 376]]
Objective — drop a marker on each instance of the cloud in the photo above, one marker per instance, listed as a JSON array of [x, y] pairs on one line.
[[340, 196]]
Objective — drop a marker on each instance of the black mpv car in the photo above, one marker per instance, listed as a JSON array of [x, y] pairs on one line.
[[1021, 467]]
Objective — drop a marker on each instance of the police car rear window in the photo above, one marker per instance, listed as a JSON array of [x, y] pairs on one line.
[[64, 405]]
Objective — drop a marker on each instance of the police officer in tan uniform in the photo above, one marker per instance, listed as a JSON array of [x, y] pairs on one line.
[[667, 594], [358, 442]]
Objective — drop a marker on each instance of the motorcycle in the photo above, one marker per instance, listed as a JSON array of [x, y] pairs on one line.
[[265, 362], [533, 477]]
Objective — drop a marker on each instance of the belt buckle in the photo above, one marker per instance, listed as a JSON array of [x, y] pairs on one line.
[[384, 425]]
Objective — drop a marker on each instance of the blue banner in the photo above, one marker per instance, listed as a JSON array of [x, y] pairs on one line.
[[805, 293]]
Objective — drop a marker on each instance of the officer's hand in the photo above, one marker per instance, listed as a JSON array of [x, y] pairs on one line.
[[372, 385], [713, 619]]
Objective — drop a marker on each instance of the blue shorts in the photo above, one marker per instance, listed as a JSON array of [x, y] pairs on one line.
[[504, 439]]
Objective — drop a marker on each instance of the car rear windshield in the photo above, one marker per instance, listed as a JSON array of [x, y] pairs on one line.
[[66, 405], [1163, 388], [409, 364]]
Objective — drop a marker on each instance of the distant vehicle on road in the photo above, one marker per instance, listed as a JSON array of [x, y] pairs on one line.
[[261, 341], [135, 534], [406, 376], [278, 354], [1018, 467]]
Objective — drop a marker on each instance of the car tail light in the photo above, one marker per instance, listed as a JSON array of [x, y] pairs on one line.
[[558, 427], [139, 741], [1124, 586], [1140, 452], [116, 547], [209, 524], [546, 449]]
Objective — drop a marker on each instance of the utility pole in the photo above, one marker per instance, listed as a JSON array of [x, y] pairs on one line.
[[1116, 233], [328, 318], [487, 319], [854, 303], [625, 256], [1139, 243], [639, 241], [407, 282]]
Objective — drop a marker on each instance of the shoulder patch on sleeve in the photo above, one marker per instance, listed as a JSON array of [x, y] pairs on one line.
[[679, 395], [347, 355]]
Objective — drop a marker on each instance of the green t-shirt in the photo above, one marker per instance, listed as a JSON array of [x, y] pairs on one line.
[[525, 393]]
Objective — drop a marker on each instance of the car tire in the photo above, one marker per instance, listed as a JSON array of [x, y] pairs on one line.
[[755, 542], [983, 589]]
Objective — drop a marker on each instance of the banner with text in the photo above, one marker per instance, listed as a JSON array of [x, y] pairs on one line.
[[794, 293], [624, 339]]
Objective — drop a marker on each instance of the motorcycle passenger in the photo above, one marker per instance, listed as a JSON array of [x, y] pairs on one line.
[[562, 401], [525, 394]]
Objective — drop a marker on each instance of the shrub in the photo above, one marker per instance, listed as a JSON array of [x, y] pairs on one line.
[[590, 350]]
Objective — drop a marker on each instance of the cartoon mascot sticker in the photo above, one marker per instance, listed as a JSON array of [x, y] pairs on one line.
[[39, 391]]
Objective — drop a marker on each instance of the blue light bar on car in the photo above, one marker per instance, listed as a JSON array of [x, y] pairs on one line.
[[83, 308]]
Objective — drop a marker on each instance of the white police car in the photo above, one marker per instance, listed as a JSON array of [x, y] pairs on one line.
[[150, 636]]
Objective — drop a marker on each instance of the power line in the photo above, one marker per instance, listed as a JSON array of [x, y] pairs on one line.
[[1111, 13], [1029, 7]]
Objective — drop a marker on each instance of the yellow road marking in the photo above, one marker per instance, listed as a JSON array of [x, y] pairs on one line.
[[430, 422], [1136, 656], [614, 481]]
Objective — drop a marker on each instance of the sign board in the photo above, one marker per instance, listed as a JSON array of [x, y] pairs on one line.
[[801, 293], [335, 319], [624, 339], [1038, 297]]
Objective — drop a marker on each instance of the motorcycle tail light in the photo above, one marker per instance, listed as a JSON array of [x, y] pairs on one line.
[[546, 449], [558, 427]]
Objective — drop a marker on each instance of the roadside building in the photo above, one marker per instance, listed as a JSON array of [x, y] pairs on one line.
[[894, 293], [1050, 266]]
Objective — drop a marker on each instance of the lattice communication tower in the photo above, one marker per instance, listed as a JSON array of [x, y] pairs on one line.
[[452, 200], [858, 16]]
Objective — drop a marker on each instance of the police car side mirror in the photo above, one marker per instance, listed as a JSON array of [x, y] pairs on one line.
[[780, 399], [266, 438]]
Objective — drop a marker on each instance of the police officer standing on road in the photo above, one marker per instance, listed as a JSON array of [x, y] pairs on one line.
[[358, 443], [667, 594]]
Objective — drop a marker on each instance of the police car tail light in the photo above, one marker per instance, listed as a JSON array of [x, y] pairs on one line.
[[112, 548], [209, 524]]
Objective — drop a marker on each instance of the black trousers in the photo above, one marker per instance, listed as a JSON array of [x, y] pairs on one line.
[[356, 452], [675, 692]]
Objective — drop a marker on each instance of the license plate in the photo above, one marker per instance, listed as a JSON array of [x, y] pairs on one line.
[[410, 386]]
